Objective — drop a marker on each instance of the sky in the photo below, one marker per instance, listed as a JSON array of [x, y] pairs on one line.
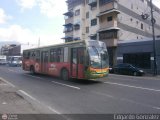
[[27, 21], [30, 21]]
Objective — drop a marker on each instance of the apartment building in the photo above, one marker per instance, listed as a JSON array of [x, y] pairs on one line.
[[11, 50], [115, 22]]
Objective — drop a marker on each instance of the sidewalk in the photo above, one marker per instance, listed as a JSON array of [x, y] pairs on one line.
[[15, 105], [146, 76]]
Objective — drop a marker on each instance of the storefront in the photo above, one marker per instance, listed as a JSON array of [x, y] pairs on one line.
[[140, 54]]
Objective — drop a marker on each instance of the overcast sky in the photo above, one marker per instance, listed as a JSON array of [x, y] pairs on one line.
[[28, 20]]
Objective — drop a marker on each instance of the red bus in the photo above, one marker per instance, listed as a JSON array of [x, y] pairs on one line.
[[78, 59]]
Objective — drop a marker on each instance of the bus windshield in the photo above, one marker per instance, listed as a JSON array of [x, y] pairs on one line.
[[98, 57]]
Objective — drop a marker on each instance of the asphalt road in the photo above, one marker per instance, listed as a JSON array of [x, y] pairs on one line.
[[115, 94]]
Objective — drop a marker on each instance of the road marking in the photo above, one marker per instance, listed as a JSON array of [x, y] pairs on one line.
[[7, 82], [53, 110], [139, 87], [23, 92], [127, 100], [66, 85], [1, 84], [139, 77], [55, 82], [11, 70], [33, 76], [138, 103]]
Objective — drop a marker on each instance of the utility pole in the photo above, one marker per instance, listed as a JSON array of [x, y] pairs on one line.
[[154, 41], [39, 42]]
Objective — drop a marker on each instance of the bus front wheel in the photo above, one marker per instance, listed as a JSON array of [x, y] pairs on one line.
[[64, 74]]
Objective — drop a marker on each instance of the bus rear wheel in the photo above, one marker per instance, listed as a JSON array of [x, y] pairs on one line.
[[64, 74], [32, 70]]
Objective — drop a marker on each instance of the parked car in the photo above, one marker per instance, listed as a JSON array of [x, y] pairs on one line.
[[127, 69]]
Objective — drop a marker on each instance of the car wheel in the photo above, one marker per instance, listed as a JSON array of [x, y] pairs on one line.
[[64, 74], [135, 73]]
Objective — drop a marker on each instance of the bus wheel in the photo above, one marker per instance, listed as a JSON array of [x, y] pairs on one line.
[[32, 70], [64, 74]]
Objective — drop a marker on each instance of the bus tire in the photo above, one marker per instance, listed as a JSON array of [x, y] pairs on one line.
[[64, 74], [32, 70]]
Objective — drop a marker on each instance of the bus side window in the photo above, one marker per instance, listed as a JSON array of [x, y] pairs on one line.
[[32, 55], [60, 55], [37, 55], [53, 55], [28, 55]]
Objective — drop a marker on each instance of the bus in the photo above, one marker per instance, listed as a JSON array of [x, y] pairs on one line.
[[3, 59], [79, 59]]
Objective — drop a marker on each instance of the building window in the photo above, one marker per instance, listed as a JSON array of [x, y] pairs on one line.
[[131, 6], [77, 12], [109, 18], [93, 22], [103, 2], [137, 22], [87, 15], [108, 35], [142, 26], [87, 29], [76, 27], [94, 37]]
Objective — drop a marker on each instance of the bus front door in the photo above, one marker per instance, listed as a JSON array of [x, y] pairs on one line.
[[77, 63], [44, 61]]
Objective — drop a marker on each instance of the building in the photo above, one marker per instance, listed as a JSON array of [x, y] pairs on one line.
[[116, 22], [11, 50]]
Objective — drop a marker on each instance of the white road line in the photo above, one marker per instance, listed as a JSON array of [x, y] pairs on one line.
[[11, 70], [33, 76], [3, 84], [137, 87], [128, 100], [7, 82], [66, 85], [23, 92], [53, 110], [55, 82], [138, 103]]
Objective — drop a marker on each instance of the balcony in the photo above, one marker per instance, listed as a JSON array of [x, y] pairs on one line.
[[69, 20], [110, 42], [103, 24], [111, 11], [69, 14], [68, 25], [92, 2], [109, 36], [108, 6]]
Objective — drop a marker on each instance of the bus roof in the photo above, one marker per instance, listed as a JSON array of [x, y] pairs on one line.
[[74, 42]]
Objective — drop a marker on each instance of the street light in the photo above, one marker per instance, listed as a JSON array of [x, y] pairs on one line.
[[154, 41]]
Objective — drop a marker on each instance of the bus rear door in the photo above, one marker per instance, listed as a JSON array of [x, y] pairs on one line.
[[44, 62]]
